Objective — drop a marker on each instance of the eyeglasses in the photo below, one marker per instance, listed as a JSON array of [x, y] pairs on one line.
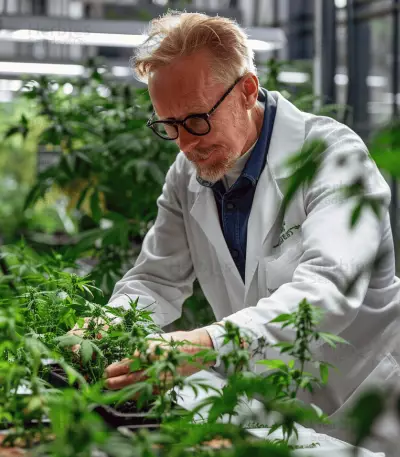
[[196, 124]]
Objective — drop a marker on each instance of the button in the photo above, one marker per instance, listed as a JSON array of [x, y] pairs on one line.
[[235, 253], [230, 206]]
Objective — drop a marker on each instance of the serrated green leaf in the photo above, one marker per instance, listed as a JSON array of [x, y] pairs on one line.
[[274, 364], [37, 192], [333, 338], [195, 390], [281, 318], [356, 213], [95, 206], [82, 197], [274, 428], [376, 206], [34, 404], [324, 373], [68, 340], [284, 345], [86, 351], [11, 131], [73, 375], [365, 413], [135, 365]]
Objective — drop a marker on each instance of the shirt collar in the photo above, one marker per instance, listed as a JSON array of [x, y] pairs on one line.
[[255, 163]]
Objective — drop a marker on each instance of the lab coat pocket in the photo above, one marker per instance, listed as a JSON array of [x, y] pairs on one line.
[[386, 373], [280, 270]]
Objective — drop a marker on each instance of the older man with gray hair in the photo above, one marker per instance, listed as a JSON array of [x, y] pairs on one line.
[[220, 216]]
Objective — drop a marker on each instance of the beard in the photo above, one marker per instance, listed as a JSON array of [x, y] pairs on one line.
[[217, 167], [221, 158]]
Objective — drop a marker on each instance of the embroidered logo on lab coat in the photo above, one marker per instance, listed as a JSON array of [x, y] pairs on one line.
[[286, 233]]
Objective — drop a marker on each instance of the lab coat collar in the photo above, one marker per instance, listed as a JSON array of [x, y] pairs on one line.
[[287, 138], [255, 163]]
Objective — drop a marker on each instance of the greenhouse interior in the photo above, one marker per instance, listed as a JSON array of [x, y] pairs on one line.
[[200, 228]]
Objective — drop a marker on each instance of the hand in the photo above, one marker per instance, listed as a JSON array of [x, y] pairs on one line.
[[118, 374]]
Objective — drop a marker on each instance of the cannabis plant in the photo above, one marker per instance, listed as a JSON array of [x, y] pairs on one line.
[[47, 300], [111, 168]]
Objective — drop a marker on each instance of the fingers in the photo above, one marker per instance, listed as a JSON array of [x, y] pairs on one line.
[[118, 382], [119, 374], [118, 368], [124, 380]]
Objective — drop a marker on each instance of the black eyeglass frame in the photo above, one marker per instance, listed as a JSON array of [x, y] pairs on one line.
[[176, 122]]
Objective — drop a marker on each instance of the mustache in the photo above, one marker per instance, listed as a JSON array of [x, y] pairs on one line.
[[201, 153]]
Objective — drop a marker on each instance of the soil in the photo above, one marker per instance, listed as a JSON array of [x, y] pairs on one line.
[[128, 407]]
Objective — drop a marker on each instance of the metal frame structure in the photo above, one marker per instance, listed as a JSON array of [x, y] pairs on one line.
[[395, 206], [358, 15], [325, 51]]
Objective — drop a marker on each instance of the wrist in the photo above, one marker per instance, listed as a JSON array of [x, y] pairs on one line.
[[201, 337]]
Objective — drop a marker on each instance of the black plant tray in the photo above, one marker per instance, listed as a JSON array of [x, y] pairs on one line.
[[28, 424], [58, 377], [126, 414], [114, 418], [136, 428]]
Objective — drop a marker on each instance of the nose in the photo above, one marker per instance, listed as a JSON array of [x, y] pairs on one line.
[[186, 141]]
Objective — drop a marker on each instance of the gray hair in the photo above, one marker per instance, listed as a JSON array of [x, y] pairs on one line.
[[179, 34]]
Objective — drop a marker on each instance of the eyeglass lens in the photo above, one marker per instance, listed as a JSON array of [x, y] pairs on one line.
[[195, 125]]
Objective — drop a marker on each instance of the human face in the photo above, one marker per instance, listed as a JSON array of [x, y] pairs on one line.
[[185, 87], [196, 124]]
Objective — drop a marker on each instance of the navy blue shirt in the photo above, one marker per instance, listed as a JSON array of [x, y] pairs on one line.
[[234, 204]]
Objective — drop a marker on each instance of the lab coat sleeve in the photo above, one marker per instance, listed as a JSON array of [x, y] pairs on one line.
[[333, 252], [163, 275]]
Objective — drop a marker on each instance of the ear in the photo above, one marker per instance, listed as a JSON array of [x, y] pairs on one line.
[[250, 86]]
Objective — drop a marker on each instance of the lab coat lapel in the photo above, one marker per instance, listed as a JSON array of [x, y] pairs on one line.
[[266, 204], [287, 139], [205, 213]]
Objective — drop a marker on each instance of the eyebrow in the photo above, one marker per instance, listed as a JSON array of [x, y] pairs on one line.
[[196, 109]]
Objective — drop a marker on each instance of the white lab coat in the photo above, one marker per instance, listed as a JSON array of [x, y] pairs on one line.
[[309, 252]]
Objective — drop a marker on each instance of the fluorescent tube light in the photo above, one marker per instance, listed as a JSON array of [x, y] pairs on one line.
[[41, 68], [293, 77], [262, 46], [119, 40], [70, 37], [12, 85]]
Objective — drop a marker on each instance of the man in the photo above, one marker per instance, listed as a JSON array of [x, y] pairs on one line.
[[220, 215]]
